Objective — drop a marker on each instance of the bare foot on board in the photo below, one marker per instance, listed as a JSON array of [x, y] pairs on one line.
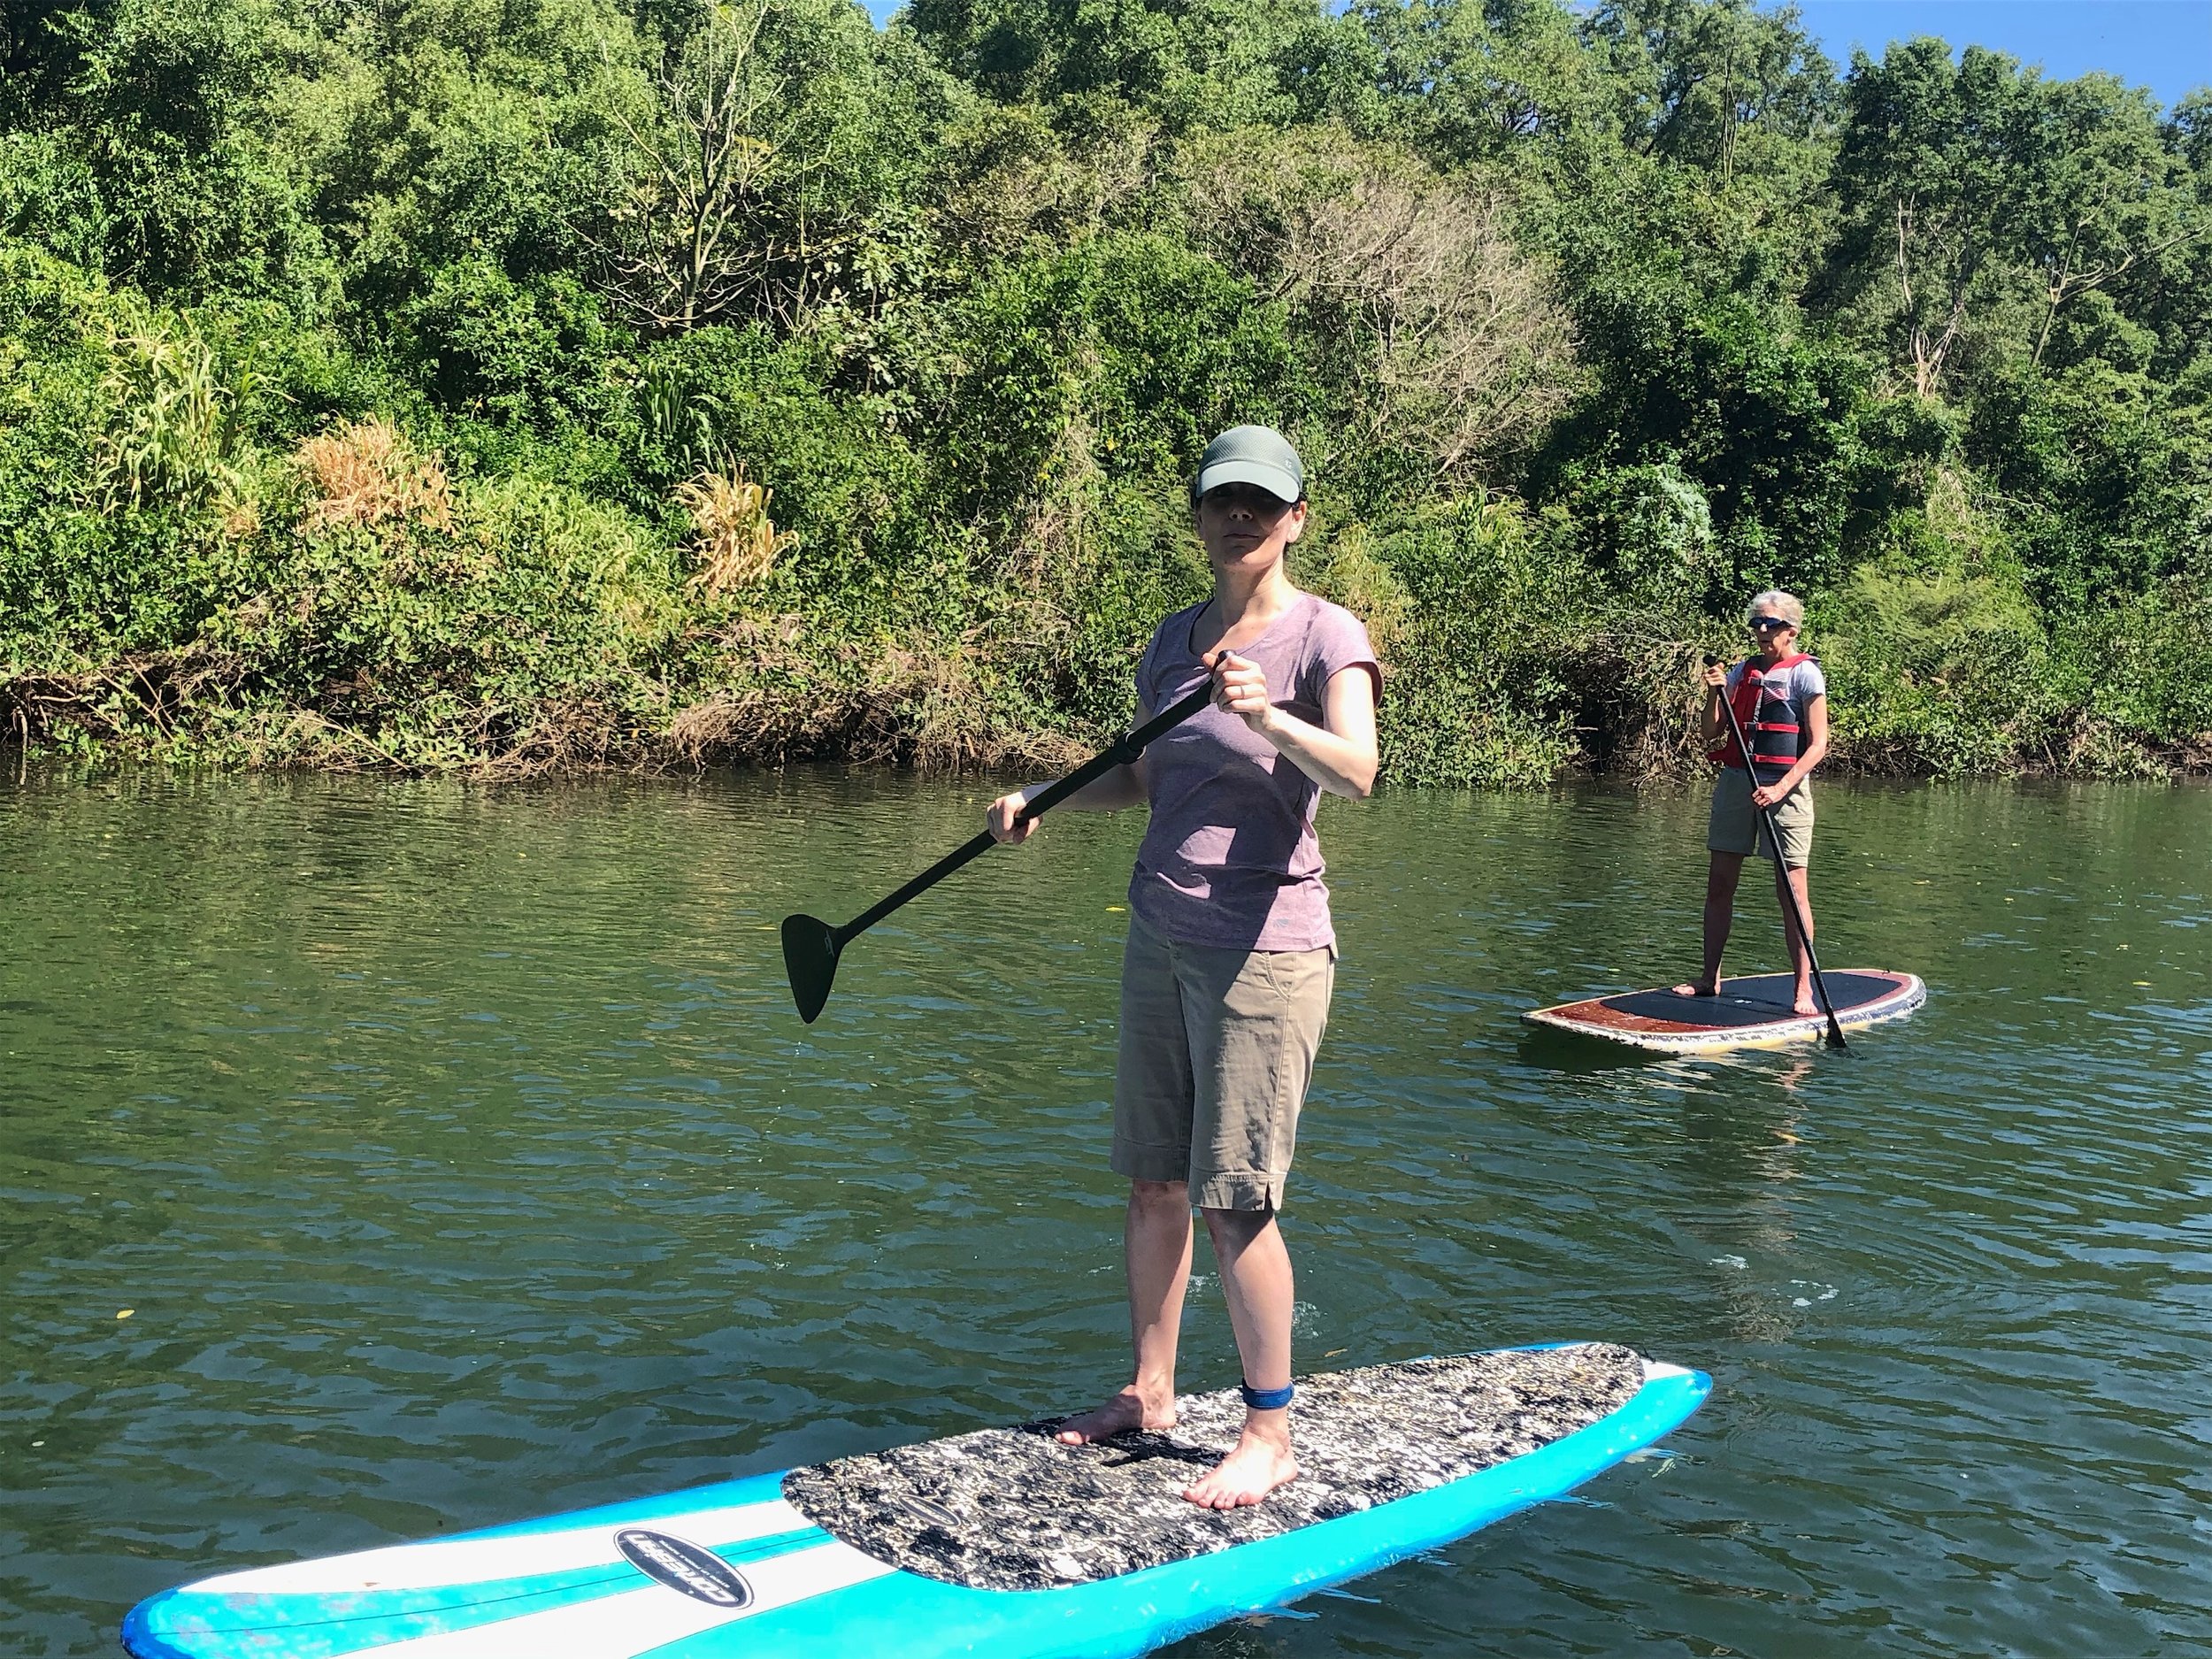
[[1805, 1005], [1256, 1466], [1125, 1412], [1698, 988]]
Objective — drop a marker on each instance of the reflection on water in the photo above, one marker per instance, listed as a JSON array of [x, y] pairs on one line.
[[458, 1159]]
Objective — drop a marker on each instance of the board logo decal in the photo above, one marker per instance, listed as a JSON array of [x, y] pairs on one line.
[[929, 1511], [698, 1573]]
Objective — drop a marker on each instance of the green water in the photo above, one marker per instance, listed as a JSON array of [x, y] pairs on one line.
[[461, 1161]]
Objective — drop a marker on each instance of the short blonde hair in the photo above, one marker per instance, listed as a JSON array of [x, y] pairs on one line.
[[1775, 602]]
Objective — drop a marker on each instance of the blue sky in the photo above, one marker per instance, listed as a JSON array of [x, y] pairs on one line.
[[2163, 44]]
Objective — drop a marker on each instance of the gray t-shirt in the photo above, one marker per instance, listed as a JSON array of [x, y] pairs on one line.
[[1800, 682], [1230, 857]]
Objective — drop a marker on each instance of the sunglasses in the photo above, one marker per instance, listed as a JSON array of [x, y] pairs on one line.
[[1768, 625]]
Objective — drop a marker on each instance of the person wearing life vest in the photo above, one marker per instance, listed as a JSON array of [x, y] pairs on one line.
[[1781, 700]]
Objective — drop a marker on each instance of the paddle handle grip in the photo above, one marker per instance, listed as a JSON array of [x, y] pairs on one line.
[[1774, 845]]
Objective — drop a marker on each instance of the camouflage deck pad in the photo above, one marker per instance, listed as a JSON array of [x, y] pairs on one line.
[[1012, 1509]]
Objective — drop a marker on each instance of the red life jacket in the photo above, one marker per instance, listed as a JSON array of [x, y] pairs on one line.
[[1774, 725]]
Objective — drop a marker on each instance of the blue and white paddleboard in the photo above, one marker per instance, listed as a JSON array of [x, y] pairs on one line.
[[910, 1552]]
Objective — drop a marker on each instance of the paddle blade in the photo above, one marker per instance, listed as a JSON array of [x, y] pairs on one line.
[[809, 960]]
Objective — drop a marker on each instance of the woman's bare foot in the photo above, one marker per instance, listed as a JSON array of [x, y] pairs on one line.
[[1260, 1463], [1805, 1005], [1698, 987], [1126, 1411]]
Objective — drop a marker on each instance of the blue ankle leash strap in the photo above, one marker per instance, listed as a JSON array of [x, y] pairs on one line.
[[1265, 1399]]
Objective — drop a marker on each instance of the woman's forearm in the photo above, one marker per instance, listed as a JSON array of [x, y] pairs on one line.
[[1711, 719], [1123, 787], [1803, 767], [1342, 765]]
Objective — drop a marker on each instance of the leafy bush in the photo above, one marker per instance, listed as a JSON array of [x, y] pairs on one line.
[[566, 383], [1485, 672]]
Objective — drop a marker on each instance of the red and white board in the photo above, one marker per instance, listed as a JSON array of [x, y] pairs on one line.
[[1750, 1011]]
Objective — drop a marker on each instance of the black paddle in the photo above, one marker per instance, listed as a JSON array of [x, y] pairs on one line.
[[811, 945], [1774, 844]]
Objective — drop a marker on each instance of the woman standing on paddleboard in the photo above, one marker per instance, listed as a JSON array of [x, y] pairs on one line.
[[1231, 957], [1781, 700]]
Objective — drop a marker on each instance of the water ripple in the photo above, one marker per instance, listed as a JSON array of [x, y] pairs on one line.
[[459, 1160]]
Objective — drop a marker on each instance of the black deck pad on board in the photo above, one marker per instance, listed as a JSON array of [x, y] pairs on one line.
[[1014, 1510], [1756, 999]]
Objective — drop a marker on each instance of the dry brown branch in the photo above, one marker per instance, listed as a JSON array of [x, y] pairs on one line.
[[1465, 342], [155, 687], [2068, 283], [1639, 714], [697, 235], [719, 725], [1010, 178], [870, 701], [1467, 353], [1930, 352]]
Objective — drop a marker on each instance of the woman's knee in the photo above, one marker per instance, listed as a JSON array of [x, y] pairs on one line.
[[1241, 1226], [1160, 1194]]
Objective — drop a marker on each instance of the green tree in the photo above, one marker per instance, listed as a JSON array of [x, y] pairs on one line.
[[1473, 79], [145, 149], [1983, 200], [1191, 63], [371, 372], [1692, 78]]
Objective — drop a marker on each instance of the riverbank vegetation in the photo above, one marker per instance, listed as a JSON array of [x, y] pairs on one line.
[[507, 385]]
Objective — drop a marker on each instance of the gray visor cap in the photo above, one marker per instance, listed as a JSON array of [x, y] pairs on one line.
[[1251, 454]]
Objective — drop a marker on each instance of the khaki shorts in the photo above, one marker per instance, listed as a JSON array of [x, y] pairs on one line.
[[1217, 1048], [1735, 827]]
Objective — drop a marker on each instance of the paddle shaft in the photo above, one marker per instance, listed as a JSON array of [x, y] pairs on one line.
[[1090, 773], [1774, 844]]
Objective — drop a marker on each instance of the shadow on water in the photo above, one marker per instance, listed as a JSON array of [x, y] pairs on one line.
[[1543, 1049], [456, 1158]]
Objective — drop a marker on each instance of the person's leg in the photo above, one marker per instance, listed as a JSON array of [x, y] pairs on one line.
[[1790, 883], [1793, 828], [1253, 1054], [1731, 835], [1152, 1137], [1720, 876], [1156, 1246], [1256, 1278]]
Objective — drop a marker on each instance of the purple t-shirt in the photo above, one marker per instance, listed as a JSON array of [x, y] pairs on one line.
[[1230, 857]]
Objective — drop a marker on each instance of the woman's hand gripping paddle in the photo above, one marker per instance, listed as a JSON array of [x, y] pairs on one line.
[[811, 945], [1774, 845]]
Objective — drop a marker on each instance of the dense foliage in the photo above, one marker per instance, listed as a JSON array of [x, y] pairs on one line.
[[505, 384]]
